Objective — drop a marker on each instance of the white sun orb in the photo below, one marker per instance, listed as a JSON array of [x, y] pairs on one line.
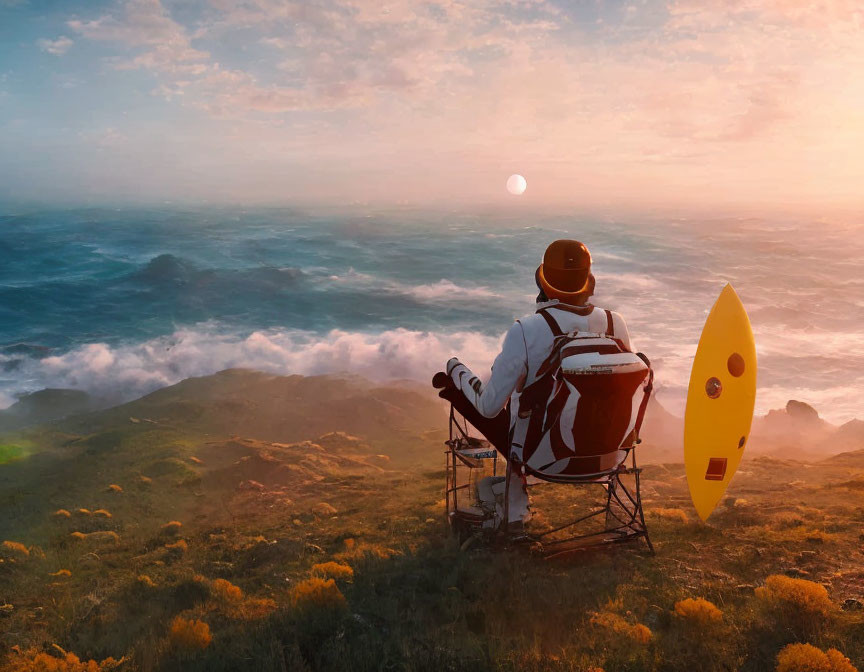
[[516, 185]]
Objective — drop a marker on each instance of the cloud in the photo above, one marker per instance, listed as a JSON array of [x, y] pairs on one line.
[[106, 138], [680, 98], [57, 47], [145, 23]]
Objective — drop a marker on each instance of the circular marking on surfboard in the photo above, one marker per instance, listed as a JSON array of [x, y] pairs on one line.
[[735, 364], [742, 441], [713, 387]]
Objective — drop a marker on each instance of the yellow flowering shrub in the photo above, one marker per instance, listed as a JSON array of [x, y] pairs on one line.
[[14, 548], [637, 632], [698, 611], [37, 661], [333, 570], [190, 634], [317, 592], [61, 572], [801, 595], [102, 513], [227, 590], [179, 547], [808, 658], [797, 605], [62, 513], [146, 581], [115, 488], [839, 662]]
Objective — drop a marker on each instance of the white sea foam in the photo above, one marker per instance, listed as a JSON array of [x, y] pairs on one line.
[[128, 371], [445, 290], [125, 372]]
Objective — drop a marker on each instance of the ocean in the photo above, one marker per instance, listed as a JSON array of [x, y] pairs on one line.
[[119, 302]]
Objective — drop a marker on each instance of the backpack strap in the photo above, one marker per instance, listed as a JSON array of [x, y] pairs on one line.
[[610, 326], [646, 395], [553, 325]]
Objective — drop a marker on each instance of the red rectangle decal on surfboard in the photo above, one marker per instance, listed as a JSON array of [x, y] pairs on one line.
[[716, 469]]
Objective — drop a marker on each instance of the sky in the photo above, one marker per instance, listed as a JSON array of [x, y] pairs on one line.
[[711, 105]]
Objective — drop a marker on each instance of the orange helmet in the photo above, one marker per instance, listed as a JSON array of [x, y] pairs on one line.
[[565, 271]]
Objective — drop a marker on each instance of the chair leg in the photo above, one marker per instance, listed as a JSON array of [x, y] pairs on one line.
[[642, 512], [503, 524]]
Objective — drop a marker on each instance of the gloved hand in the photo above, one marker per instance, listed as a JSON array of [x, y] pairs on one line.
[[440, 380], [452, 363]]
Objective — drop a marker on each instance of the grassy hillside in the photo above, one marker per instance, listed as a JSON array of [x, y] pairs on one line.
[[247, 521]]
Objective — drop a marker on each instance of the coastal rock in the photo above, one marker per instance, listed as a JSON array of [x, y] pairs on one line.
[[801, 411]]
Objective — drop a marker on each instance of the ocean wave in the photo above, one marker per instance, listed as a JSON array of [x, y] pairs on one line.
[[102, 300], [168, 270], [434, 292]]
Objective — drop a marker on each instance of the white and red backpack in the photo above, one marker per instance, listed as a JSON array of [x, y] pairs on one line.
[[585, 407]]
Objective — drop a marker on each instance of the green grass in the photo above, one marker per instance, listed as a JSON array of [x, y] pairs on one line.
[[9, 452]]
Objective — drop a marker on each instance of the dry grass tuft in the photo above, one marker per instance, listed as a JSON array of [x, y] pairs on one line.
[[195, 460], [61, 572], [808, 658], [677, 515], [256, 608], [190, 634], [324, 510], [114, 488], [61, 513], [698, 611], [102, 535], [15, 549], [333, 570], [179, 547], [317, 592], [226, 590], [172, 527], [84, 512], [786, 520], [637, 632], [146, 581], [102, 513], [356, 551], [145, 480]]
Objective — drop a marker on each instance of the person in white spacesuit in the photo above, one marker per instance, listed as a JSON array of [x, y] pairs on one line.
[[566, 284]]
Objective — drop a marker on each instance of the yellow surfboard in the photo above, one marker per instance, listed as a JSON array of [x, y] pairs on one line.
[[720, 401]]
